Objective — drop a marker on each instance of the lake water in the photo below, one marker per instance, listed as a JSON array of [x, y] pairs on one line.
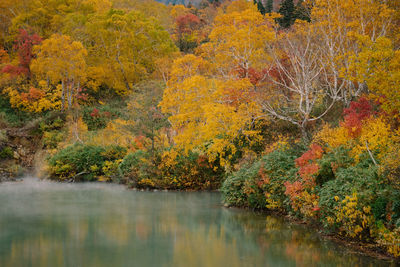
[[53, 224]]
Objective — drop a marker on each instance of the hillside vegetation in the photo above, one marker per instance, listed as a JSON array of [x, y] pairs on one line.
[[290, 107]]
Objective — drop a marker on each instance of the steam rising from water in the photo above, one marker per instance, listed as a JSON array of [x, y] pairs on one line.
[[45, 223], [33, 184]]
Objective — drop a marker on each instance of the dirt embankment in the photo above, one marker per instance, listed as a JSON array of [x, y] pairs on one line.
[[18, 147]]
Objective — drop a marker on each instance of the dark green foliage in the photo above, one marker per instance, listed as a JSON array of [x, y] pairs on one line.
[[255, 195], [94, 119], [114, 152], [395, 207], [269, 6], [378, 207], [290, 12], [97, 117], [302, 12], [387, 202], [80, 162], [135, 167], [6, 153], [191, 171], [233, 187], [194, 171], [279, 167], [52, 139], [260, 6], [360, 179], [338, 158], [14, 117], [131, 161], [287, 10], [148, 116], [242, 142], [185, 45], [52, 131], [52, 124], [247, 186]]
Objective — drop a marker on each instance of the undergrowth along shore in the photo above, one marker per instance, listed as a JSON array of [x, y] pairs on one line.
[[344, 179], [292, 108], [353, 200]]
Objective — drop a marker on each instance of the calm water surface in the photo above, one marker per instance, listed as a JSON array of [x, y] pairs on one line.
[[51, 224]]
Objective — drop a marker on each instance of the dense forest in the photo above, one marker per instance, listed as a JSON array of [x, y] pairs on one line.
[[285, 106]]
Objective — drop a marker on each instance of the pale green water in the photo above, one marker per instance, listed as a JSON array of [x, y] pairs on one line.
[[51, 224]]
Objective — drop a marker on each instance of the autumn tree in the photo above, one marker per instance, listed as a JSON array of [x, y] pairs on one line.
[[47, 17], [9, 9], [378, 65], [180, 10], [188, 27], [339, 24], [205, 112], [23, 45], [395, 34], [3, 56], [298, 82], [187, 31], [211, 97], [44, 17], [125, 47], [157, 10], [147, 117], [238, 41], [61, 60]]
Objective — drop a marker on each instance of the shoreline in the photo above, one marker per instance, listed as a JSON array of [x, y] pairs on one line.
[[366, 249], [356, 247]]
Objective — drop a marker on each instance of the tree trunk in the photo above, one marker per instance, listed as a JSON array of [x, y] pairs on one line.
[[62, 95], [304, 133], [70, 93], [123, 73]]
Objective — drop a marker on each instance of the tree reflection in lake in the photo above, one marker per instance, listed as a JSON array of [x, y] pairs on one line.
[[51, 224]]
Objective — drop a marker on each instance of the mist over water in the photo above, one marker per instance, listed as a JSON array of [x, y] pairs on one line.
[[45, 223]]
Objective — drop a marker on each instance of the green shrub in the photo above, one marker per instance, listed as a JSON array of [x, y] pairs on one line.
[[277, 168], [330, 162], [114, 152], [52, 138], [52, 124], [232, 189], [361, 179], [6, 153], [84, 162], [3, 136], [261, 185], [14, 117], [97, 117], [135, 167], [190, 171], [152, 170], [94, 119]]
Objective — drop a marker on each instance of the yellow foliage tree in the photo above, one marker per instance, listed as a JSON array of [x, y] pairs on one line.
[[338, 24], [238, 41], [35, 99], [375, 136], [211, 97], [124, 48], [378, 65], [61, 60]]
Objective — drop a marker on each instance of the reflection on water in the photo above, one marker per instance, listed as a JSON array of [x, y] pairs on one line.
[[51, 224]]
